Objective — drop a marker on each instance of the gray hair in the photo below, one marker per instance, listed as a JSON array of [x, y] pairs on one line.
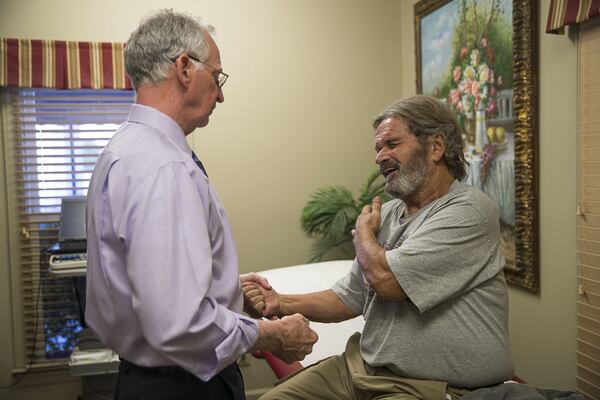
[[426, 116], [160, 38]]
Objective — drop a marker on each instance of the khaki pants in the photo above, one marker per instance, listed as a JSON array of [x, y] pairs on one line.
[[347, 377]]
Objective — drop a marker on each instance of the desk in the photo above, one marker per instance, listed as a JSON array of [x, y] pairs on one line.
[[93, 362], [98, 370], [98, 366], [67, 273]]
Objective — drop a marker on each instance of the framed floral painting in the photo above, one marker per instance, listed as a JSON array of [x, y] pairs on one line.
[[479, 57]]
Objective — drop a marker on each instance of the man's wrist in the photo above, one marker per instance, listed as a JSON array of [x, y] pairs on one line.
[[269, 336], [284, 306]]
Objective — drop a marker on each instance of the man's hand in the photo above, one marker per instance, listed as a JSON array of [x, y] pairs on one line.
[[368, 221], [260, 302], [254, 277], [365, 230], [371, 255], [295, 339], [260, 299], [254, 304], [254, 301]]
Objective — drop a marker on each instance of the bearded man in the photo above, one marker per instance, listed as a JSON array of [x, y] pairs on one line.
[[427, 277]]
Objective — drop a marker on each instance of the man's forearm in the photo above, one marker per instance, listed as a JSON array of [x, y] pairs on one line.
[[323, 306], [371, 257]]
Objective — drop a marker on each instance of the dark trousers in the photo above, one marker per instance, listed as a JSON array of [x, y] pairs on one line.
[[174, 383]]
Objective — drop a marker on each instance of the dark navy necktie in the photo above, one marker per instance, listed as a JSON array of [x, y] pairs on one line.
[[199, 163]]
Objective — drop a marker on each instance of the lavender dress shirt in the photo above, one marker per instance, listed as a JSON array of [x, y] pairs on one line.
[[162, 275]]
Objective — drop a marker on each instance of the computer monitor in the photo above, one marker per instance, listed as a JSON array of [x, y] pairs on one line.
[[72, 219], [71, 231]]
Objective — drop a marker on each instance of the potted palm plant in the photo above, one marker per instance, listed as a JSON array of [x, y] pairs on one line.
[[330, 214]]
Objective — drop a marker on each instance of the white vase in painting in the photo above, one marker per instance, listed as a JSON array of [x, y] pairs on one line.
[[480, 128]]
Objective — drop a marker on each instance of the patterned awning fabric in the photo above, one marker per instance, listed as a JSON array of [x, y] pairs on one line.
[[62, 64], [567, 12]]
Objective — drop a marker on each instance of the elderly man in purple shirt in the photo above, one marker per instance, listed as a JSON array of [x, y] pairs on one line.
[[163, 287]]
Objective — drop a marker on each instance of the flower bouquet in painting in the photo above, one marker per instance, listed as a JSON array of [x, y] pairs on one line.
[[473, 90], [480, 68]]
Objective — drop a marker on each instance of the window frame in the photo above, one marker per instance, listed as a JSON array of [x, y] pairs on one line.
[[11, 267]]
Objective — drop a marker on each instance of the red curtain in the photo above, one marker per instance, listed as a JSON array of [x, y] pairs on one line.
[[567, 12], [62, 64]]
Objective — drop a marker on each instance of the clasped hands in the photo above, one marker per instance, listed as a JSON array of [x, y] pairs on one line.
[[260, 299], [292, 338]]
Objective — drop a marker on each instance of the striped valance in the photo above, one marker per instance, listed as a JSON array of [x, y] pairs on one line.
[[62, 64], [567, 12]]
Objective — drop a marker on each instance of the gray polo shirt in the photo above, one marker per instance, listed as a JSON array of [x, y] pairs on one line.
[[454, 325]]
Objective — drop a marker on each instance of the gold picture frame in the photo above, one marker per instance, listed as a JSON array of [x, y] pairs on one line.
[[522, 259]]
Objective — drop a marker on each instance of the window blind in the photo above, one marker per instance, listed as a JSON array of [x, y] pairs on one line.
[[588, 246], [54, 142]]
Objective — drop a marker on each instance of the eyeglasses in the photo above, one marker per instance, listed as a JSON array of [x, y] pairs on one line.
[[220, 79]]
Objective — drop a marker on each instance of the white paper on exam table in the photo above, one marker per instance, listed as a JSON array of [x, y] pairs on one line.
[[314, 277]]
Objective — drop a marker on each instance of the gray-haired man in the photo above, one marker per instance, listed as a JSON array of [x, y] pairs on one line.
[[163, 286], [427, 276]]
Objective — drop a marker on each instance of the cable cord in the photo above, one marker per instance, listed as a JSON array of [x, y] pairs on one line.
[[16, 381]]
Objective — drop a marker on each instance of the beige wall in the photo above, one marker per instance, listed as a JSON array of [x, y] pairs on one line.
[[542, 326], [306, 78]]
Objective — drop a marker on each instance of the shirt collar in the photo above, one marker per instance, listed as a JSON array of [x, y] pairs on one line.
[[164, 124]]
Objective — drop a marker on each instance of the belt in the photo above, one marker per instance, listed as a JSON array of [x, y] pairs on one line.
[[171, 370]]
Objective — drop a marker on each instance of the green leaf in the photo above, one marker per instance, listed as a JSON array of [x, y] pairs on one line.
[[330, 249], [375, 186], [323, 208], [330, 214]]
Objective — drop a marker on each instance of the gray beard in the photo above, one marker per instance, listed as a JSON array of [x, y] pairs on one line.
[[409, 178]]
